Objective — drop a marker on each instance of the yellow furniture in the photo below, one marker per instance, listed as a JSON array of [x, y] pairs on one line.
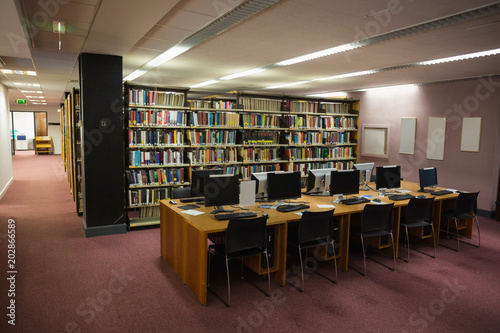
[[43, 145]]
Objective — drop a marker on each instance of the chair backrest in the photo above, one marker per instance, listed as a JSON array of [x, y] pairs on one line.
[[245, 234], [466, 203], [315, 225], [181, 192], [419, 210], [376, 217]]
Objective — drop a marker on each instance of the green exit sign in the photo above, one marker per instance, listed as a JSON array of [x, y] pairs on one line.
[[20, 101]]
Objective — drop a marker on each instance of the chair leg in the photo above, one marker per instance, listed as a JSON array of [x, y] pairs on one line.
[[334, 260], [394, 250], [448, 228], [458, 235], [268, 273], [478, 232], [433, 239], [228, 285], [364, 255], [407, 237], [301, 269], [208, 272]]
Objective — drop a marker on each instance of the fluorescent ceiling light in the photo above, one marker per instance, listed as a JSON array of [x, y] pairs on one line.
[[134, 75], [343, 76], [319, 54], [240, 74], [460, 57], [206, 83], [27, 84], [287, 84], [330, 94], [18, 72], [402, 86], [167, 55]]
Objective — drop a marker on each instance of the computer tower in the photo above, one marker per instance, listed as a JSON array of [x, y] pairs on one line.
[[270, 249]]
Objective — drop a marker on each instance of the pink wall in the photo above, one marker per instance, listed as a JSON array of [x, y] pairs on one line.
[[469, 171]]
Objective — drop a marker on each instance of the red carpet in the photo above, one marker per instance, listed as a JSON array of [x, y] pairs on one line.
[[66, 283]]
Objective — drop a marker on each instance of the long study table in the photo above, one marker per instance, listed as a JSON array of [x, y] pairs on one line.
[[184, 237]]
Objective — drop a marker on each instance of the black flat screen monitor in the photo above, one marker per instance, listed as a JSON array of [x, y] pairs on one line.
[[221, 190], [344, 182], [318, 181], [428, 178], [198, 180], [283, 185], [365, 174], [261, 184], [388, 177]]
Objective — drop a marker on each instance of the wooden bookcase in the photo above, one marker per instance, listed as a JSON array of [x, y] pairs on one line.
[[242, 133], [43, 145], [71, 145]]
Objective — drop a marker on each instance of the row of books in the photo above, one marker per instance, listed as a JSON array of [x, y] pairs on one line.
[[338, 122], [204, 104], [152, 97], [305, 167], [139, 158], [155, 177], [147, 196], [260, 154], [212, 137], [318, 153], [152, 211], [303, 106], [260, 137], [295, 121], [212, 155], [336, 137], [298, 138], [336, 107], [261, 120], [206, 118], [156, 137], [157, 118], [247, 170], [261, 104]]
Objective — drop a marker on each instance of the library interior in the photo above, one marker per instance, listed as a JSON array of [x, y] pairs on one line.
[[304, 145]]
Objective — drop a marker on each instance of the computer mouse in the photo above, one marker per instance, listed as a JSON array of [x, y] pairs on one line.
[[376, 200]]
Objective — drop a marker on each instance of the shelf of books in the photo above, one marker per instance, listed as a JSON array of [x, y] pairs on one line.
[[71, 145], [242, 134], [156, 122]]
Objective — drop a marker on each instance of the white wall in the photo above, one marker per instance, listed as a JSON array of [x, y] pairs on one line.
[[5, 145]]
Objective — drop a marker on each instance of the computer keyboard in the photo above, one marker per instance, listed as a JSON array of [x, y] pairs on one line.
[[441, 192], [232, 216], [398, 197], [194, 199], [291, 208], [354, 201]]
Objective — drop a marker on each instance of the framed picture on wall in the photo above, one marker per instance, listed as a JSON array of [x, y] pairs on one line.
[[375, 141], [471, 134]]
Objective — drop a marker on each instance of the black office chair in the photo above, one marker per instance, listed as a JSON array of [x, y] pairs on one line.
[[465, 208], [376, 220], [419, 213], [314, 229], [244, 238], [181, 192]]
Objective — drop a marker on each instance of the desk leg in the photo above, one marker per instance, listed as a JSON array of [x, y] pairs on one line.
[[280, 256], [344, 230], [185, 248]]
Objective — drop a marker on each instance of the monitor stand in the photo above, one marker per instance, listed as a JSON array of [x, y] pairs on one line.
[[220, 209], [322, 194], [365, 187], [426, 191], [367, 177], [339, 198], [382, 193]]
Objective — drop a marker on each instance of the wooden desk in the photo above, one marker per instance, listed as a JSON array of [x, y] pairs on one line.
[[184, 237]]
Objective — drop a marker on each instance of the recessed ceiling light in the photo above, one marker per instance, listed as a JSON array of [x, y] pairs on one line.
[[206, 83], [287, 84], [245, 73]]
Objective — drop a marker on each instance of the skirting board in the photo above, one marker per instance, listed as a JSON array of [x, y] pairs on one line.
[[106, 230], [4, 190]]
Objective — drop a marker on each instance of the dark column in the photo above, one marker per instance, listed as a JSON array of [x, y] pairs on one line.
[[102, 144]]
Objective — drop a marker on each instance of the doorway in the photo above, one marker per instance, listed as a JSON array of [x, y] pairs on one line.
[[25, 126]]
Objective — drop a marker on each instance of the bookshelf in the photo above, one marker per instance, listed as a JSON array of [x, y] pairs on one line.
[[71, 145], [156, 127], [240, 132]]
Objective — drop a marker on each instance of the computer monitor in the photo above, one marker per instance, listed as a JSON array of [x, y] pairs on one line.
[[283, 185], [198, 180], [365, 174], [428, 178], [388, 177], [318, 181], [344, 182], [261, 184], [221, 190]]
